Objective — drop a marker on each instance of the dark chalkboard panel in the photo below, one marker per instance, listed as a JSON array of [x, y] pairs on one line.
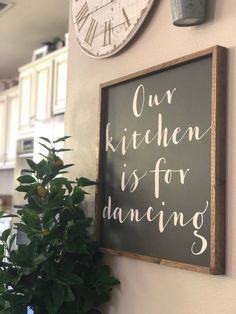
[[162, 163]]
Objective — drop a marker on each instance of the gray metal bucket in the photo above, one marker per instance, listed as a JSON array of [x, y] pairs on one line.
[[188, 12]]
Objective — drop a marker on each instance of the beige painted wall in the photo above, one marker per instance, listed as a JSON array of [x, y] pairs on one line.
[[148, 288]]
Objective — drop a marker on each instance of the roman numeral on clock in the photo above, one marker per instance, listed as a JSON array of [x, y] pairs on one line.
[[107, 33], [126, 17], [82, 16], [91, 32]]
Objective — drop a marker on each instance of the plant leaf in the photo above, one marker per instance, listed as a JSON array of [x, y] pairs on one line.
[[55, 299], [5, 235], [45, 146], [23, 188], [32, 164], [78, 195], [7, 311], [45, 139], [42, 168], [30, 218], [27, 170], [26, 179], [44, 156], [12, 239], [63, 150], [85, 182], [66, 166], [61, 139]]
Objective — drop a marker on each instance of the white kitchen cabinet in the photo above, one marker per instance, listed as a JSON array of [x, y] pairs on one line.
[[43, 88], [60, 83], [9, 120], [3, 115], [27, 107], [12, 128]]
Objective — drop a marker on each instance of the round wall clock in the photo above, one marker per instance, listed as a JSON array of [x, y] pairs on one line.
[[103, 27]]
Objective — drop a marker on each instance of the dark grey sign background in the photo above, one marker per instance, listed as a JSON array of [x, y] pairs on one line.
[[191, 106]]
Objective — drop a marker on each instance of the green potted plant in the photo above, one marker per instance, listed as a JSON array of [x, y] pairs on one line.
[[58, 270]]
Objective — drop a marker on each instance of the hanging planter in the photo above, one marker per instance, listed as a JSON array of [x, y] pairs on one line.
[[188, 12]]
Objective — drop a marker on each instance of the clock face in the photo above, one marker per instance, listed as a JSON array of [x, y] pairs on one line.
[[103, 27]]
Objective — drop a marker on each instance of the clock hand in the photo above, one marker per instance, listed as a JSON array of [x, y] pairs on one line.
[[101, 32], [101, 7]]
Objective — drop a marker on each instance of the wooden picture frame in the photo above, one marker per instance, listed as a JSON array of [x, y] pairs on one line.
[[212, 145]]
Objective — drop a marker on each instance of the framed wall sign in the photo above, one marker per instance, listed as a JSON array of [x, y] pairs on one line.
[[161, 191]]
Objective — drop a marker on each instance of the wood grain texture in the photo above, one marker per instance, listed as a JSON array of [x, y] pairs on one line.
[[218, 157], [98, 208], [156, 260], [164, 66]]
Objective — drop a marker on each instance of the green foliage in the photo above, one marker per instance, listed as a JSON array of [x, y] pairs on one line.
[[60, 270]]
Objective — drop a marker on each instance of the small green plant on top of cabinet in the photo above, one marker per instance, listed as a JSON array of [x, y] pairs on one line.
[[59, 269]]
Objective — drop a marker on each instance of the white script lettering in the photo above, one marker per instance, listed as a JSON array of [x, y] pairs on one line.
[[163, 137], [178, 219]]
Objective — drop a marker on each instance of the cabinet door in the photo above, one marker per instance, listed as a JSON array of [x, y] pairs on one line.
[[3, 111], [60, 83], [27, 108], [43, 90], [12, 128]]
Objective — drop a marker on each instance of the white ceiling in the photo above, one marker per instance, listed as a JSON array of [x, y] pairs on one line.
[[25, 26]]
